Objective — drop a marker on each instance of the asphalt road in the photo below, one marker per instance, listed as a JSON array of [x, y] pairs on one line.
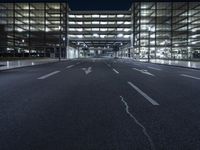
[[100, 104]]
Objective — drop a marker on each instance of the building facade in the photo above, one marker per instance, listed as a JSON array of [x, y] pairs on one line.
[[158, 30]]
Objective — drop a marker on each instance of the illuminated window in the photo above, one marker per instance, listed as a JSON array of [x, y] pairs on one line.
[[79, 16], [103, 16], [95, 29], [111, 22], [71, 16], [103, 29], [95, 16], [80, 23], [126, 29], [72, 36], [102, 36], [71, 22], [104, 23], [126, 36], [88, 29], [120, 35], [87, 22], [120, 16], [119, 29], [72, 29], [111, 16], [95, 35], [87, 16], [95, 22], [80, 36], [127, 22], [119, 22], [79, 29]]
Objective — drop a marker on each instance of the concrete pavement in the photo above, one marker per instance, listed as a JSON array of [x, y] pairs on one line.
[[88, 104]]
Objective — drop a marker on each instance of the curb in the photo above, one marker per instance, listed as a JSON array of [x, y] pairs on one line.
[[164, 64], [31, 65], [171, 65]]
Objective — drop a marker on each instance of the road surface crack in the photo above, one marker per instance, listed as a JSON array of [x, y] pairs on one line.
[[138, 123]]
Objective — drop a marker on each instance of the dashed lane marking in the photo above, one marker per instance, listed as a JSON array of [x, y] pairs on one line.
[[69, 66], [192, 77], [48, 75], [153, 102], [115, 71]]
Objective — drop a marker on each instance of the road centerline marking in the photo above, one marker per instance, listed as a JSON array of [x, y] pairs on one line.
[[115, 71], [153, 102], [48, 75], [188, 76]]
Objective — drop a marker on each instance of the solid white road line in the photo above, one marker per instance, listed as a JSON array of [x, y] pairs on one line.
[[154, 68], [48, 75], [115, 71], [69, 66], [138, 123], [153, 102], [188, 76], [144, 72]]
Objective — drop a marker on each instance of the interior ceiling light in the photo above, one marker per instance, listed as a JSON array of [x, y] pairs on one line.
[[80, 36], [126, 36], [95, 35], [120, 35]]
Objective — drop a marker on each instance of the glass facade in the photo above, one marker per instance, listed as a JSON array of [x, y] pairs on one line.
[[159, 30], [167, 30], [32, 28]]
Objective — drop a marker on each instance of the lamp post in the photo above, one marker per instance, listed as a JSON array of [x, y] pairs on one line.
[[149, 31], [60, 43], [64, 43], [23, 45]]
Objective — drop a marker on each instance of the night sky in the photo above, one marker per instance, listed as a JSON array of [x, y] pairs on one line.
[[99, 4], [88, 4]]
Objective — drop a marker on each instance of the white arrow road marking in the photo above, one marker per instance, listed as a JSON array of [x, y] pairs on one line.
[[188, 76], [144, 130], [69, 66], [77, 63], [153, 102], [155, 68], [144, 72], [87, 70], [48, 75], [115, 71]]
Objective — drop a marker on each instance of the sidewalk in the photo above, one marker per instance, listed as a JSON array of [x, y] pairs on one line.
[[5, 65], [179, 63]]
